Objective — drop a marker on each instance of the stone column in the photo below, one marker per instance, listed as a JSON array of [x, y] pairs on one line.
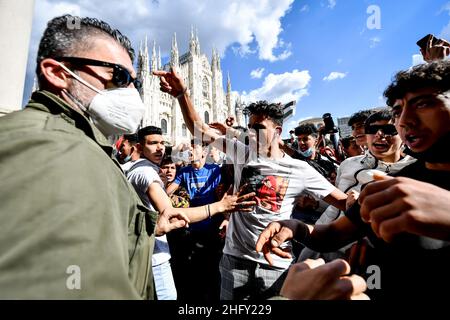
[[16, 18]]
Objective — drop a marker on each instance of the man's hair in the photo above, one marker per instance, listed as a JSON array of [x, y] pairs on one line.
[[167, 159], [272, 110], [378, 116], [307, 128], [359, 116], [69, 35], [146, 131], [428, 75], [131, 138], [347, 140]]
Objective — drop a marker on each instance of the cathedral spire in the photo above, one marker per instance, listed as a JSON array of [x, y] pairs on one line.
[[174, 57], [192, 46], [228, 83], [213, 58], [145, 46], [197, 42], [159, 58], [154, 58]]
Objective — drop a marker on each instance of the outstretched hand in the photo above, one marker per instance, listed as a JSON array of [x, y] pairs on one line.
[[171, 82], [316, 280], [274, 235], [219, 126], [237, 202], [170, 219]]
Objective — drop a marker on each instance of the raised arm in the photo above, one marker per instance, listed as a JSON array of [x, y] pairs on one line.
[[172, 84]]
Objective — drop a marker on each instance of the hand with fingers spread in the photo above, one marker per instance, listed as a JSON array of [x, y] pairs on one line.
[[171, 82], [237, 202], [278, 232], [316, 280], [397, 205], [170, 219]]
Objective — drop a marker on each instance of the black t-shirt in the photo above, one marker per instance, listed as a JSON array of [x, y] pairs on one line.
[[411, 266]]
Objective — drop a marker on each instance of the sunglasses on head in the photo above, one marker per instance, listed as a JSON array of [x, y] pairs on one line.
[[387, 129], [121, 76]]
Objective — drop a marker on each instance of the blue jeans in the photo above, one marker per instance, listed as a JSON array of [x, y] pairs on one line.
[[164, 284]]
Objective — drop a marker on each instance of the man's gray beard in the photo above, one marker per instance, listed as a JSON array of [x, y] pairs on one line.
[[78, 93]]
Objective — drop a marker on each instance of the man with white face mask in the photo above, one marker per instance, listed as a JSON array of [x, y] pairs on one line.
[[72, 226]]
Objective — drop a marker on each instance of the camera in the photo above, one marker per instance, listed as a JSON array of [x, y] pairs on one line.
[[329, 124]]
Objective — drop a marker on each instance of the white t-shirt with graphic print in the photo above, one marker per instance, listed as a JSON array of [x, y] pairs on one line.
[[278, 185]]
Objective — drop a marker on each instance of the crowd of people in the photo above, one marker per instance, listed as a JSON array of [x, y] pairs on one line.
[[233, 214]]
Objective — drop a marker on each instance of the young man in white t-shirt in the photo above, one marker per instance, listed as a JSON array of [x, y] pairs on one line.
[[277, 179]]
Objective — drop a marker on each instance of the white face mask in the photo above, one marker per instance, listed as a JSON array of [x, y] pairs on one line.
[[113, 111], [306, 153]]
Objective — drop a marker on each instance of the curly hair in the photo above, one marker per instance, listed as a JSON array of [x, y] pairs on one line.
[[62, 38], [272, 110], [428, 75]]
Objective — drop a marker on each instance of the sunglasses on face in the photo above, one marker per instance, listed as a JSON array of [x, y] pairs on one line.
[[387, 129], [121, 76]]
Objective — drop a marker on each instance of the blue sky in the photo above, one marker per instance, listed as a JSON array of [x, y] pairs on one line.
[[318, 52]]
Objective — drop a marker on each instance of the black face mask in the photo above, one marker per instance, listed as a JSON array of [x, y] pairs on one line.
[[439, 152]]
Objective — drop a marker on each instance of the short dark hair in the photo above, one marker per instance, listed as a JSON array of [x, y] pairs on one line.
[[307, 128], [347, 140], [131, 138], [62, 37], [428, 75], [272, 110], [146, 131], [167, 156], [359, 116], [378, 116]]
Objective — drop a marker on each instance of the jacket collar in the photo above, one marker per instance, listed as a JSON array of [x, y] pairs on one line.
[[48, 102]]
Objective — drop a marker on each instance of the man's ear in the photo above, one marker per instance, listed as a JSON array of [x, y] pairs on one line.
[[139, 147], [54, 74]]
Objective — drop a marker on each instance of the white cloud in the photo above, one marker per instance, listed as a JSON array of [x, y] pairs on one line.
[[305, 8], [374, 41], [283, 87], [220, 23], [445, 7], [250, 25], [334, 76], [417, 59], [257, 73], [445, 32], [331, 4]]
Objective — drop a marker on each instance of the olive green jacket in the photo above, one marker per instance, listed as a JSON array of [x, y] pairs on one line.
[[72, 227]]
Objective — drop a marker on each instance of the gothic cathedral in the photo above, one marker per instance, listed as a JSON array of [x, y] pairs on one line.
[[204, 81]]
